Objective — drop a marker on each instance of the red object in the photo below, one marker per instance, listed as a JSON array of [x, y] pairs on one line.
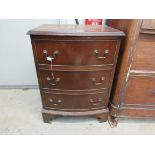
[[93, 21]]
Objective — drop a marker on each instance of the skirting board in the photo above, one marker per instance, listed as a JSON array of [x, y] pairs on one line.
[[19, 87]]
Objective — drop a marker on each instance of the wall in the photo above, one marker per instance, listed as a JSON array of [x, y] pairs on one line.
[[16, 58]]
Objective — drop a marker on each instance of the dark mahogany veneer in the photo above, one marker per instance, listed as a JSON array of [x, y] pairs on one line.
[[75, 67]]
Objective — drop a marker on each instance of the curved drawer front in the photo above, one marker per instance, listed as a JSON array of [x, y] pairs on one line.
[[75, 52], [74, 102], [75, 80]]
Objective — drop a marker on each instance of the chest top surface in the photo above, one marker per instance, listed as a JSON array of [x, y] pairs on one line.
[[75, 30]]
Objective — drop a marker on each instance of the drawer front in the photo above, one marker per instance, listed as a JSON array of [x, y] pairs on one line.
[[75, 80], [148, 24], [75, 52], [140, 90], [74, 102], [144, 58]]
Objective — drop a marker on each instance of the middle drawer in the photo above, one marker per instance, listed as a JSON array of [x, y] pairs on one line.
[[75, 80]]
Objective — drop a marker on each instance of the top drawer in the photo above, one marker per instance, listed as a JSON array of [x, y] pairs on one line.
[[75, 52]]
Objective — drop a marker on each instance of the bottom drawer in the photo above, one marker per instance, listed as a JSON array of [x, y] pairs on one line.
[[75, 102]]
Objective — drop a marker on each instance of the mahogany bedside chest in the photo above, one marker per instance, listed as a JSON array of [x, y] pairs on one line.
[[75, 66]]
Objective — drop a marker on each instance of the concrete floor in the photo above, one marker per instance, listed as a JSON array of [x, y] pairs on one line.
[[20, 111]]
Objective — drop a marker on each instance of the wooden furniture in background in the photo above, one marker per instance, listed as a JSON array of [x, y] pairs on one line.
[[134, 88], [75, 67]]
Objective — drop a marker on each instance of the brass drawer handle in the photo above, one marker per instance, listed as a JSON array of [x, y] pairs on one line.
[[55, 103], [105, 53], [96, 102], [52, 57], [98, 83], [53, 82]]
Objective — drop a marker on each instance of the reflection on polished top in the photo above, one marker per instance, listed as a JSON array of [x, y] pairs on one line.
[[75, 30]]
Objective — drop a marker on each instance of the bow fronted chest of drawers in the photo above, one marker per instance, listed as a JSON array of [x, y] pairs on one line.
[[75, 67]]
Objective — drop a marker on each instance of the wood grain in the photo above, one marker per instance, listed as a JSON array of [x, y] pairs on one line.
[[140, 90], [133, 91], [76, 52], [144, 58], [75, 80], [75, 102], [75, 30], [72, 90], [148, 24]]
